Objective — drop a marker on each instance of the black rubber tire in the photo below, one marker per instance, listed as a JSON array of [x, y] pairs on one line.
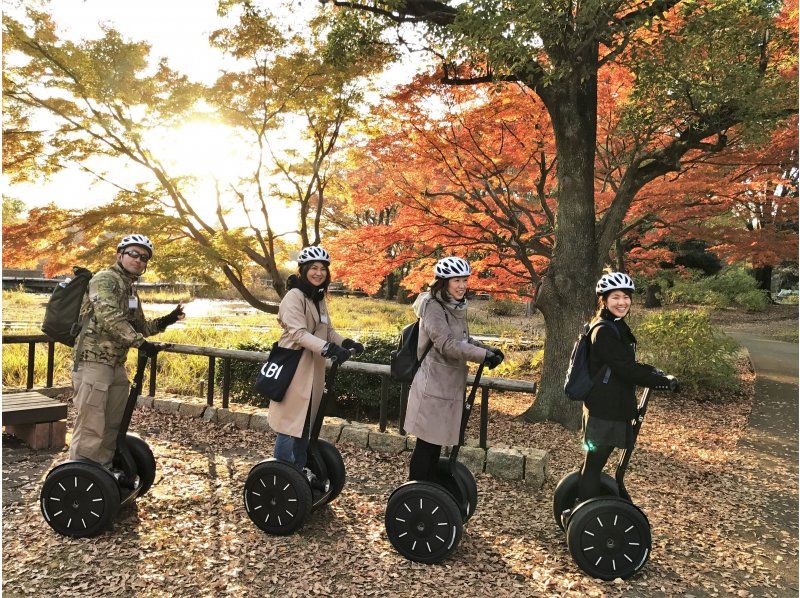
[[468, 480], [145, 462], [567, 491], [277, 497], [79, 500], [416, 515], [335, 466], [609, 538]]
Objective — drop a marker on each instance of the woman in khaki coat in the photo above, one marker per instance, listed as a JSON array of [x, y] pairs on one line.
[[303, 316], [436, 397]]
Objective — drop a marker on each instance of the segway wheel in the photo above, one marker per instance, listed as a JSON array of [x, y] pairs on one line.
[[334, 466], [461, 472], [567, 491], [79, 500], [609, 538], [144, 459], [277, 497], [423, 522]]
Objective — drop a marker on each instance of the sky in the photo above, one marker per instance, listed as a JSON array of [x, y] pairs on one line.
[[177, 30]]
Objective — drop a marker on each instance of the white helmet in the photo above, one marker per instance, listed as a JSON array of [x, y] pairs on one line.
[[614, 281], [313, 254], [135, 240], [452, 267]]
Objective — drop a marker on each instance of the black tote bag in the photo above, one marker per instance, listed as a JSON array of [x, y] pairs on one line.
[[275, 376]]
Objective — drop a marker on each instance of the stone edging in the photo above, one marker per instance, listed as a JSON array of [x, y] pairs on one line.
[[526, 464]]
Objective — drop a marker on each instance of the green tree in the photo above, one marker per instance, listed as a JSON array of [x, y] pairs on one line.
[[701, 67]]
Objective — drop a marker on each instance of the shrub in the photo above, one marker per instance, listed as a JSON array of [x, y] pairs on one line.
[[361, 393], [504, 307], [715, 299], [753, 300], [790, 300], [687, 345], [733, 286]]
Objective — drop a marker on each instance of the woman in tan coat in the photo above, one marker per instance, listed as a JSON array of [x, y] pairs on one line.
[[436, 397], [303, 316]]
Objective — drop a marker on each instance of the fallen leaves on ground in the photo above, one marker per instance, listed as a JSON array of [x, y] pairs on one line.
[[190, 536]]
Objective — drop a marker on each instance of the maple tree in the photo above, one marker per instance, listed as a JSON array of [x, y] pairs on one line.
[[698, 70], [741, 202]]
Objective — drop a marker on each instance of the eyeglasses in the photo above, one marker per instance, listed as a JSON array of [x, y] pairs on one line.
[[142, 257]]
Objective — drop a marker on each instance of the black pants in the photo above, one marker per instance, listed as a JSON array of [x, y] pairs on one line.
[[589, 485], [424, 461]]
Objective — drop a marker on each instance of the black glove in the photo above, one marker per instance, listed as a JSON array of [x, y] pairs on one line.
[[493, 359], [497, 351], [349, 343], [170, 318], [148, 349], [336, 353], [674, 385]]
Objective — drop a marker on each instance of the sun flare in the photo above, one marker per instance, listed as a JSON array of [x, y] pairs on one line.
[[205, 149]]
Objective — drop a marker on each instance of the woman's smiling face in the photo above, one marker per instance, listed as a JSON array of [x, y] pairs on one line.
[[317, 274], [618, 303], [457, 287]]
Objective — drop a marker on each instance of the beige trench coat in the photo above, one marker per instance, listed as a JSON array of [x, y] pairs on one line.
[[436, 397], [303, 328]]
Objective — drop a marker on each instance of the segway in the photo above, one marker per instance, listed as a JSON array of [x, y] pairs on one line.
[[80, 498], [278, 497], [608, 536], [425, 520]]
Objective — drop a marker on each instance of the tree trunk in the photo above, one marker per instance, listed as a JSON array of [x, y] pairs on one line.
[[566, 296], [530, 308], [564, 316], [403, 296], [390, 286], [763, 276], [653, 299], [619, 254]]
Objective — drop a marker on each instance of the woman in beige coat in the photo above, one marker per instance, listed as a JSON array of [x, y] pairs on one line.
[[303, 316], [436, 397]]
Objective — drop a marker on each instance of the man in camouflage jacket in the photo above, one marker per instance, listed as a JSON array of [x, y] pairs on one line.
[[113, 322]]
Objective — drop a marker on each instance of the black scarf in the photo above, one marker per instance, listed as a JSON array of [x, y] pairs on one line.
[[316, 294], [606, 314]]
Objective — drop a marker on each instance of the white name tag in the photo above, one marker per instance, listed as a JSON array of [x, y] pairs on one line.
[[133, 302], [323, 319]]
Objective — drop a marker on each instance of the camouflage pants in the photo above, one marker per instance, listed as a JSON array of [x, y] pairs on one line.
[[101, 392]]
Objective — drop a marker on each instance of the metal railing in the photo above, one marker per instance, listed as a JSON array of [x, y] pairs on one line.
[[229, 355], [32, 340]]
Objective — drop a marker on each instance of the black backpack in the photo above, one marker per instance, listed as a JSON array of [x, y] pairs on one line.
[[404, 363], [62, 314], [578, 383]]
